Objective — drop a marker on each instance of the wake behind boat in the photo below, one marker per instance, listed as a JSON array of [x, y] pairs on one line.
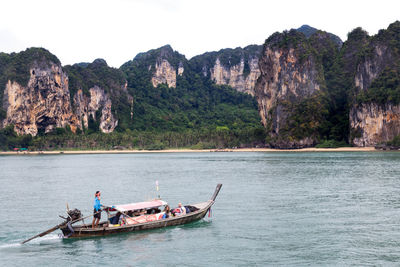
[[131, 217]]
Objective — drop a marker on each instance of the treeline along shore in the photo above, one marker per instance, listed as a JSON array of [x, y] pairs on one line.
[[72, 152]]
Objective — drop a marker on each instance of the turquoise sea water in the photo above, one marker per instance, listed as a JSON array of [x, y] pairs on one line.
[[274, 209]]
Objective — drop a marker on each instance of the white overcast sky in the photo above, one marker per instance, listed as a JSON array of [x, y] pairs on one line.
[[116, 30]]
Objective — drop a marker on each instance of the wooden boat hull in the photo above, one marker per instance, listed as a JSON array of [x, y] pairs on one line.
[[85, 230]]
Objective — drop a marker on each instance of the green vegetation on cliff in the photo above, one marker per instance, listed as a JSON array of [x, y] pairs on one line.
[[150, 58], [385, 88], [395, 141], [321, 116], [195, 104], [197, 113], [308, 31], [10, 140], [149, 140], [337, 68], [15, 67], [228, 58], [87, 75], [200, 114]]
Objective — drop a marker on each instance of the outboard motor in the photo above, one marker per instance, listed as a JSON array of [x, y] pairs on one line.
[[74, 215]]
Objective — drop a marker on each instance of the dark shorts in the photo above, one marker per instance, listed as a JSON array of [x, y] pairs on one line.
[[98, 215]]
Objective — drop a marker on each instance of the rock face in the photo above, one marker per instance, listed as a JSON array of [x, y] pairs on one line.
[[285, 81], [284, 78], [88, 106], [43, 104], [163, 65], [372, 123], [234, 76], [375, 121], [181, 69], [237, 67], [165, 73], [370, 68]]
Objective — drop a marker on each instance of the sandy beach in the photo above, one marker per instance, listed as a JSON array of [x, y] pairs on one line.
[[312, 149]]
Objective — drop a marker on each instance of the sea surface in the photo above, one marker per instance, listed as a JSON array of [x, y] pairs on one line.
[[274, 209]]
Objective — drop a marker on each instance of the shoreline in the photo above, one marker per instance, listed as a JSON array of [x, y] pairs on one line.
[[75, 152]]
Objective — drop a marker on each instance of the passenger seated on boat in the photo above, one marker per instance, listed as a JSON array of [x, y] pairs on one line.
[[180, 210], [136, 213], [153, 211], [115, 219], [167, 213], [142, 212], [121, 220]]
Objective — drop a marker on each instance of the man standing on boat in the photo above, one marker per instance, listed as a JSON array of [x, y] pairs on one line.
[[96, 210]]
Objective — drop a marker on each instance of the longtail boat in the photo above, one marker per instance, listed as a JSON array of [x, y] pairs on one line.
[[131, 223]]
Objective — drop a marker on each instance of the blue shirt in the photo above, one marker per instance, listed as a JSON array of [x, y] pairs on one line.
[[97, 204]]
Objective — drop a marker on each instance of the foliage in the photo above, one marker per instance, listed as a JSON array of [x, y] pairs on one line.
[[10, 140], [87, 75], [394, 142], [16, 67], [331, 144], [384, 89], [150, 58], [324, 115], [191, 138], [196, 112], [195, 103], [200, 114], [287, 40], [305, 118]]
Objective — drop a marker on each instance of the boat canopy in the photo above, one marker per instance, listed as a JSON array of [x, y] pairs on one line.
[[138, 205]]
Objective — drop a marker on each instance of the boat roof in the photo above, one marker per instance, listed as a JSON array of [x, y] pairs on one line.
[[138, 205]]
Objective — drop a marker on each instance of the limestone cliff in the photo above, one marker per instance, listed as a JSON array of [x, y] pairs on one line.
[[234, 76], [372, 124], [160, 66], [237, 67], [89, 106], [42, 105], [375, 113], [42, 96], [164, 73], [288, 78], [99, 91], [371, 67]]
